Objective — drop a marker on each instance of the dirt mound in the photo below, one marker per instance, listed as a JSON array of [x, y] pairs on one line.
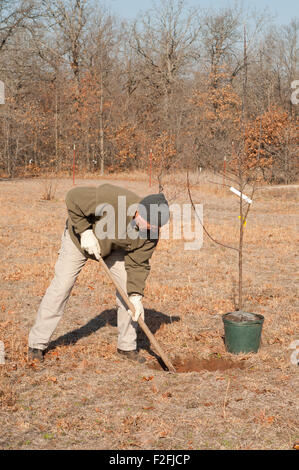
[[191, 364], [243, 317]]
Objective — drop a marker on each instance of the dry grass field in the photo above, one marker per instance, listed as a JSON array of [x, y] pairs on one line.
[[86, 397]]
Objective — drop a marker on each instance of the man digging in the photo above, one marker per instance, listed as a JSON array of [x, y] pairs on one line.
[[126, 245]]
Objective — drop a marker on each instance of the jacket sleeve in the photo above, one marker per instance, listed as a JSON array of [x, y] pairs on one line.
[[81, 206], [138, 267]]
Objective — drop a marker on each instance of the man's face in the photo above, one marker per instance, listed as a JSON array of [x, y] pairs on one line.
[[143, 225]]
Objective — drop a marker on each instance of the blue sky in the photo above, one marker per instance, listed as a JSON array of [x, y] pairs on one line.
[[284, 10]]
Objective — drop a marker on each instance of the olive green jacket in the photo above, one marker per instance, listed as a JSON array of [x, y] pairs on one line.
[[87, 209]]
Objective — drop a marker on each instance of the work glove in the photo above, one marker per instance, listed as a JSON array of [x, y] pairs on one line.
[[89, 243], [136, 300]]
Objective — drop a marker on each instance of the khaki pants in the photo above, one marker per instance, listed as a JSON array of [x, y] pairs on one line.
[[67, 268]]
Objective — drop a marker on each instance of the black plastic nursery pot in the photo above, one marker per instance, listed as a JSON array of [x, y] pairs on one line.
[[242, 331]]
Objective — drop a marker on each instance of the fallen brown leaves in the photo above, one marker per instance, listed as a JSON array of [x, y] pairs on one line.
[[52, 379], [263, 419], [83, 396]]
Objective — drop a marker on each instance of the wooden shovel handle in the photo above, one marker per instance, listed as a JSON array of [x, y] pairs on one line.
[[141, 323]]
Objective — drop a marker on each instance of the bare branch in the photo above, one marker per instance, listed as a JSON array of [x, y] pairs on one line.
[[192, 203]]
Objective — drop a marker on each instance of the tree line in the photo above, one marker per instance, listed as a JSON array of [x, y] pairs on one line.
[[185, 83]]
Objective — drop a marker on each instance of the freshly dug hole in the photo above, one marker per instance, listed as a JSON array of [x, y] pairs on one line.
[[191, 364]]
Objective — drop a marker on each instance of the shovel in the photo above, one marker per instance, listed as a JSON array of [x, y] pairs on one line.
[[141, 323]]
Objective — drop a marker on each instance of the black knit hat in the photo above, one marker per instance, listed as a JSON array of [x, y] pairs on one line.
[[154, 209]]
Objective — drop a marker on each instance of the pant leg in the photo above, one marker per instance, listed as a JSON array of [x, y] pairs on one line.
[[127, 328], [67, 268]]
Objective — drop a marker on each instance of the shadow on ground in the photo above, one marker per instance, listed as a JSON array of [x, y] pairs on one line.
[[153, 319]]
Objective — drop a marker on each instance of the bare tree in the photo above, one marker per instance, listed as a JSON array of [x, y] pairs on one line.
[[100, 58], [289, 55], [14, 15], [221, 34], [68, 20], [166, 42]]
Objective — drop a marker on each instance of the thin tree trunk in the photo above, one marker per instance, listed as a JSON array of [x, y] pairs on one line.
[[240, 303], [56, 129], [7, 151], [245, 78], [15, 159], [35, 150], [102, 155]]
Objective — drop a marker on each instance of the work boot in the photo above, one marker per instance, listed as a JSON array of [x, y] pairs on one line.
[[132, 355], [35, 354]]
